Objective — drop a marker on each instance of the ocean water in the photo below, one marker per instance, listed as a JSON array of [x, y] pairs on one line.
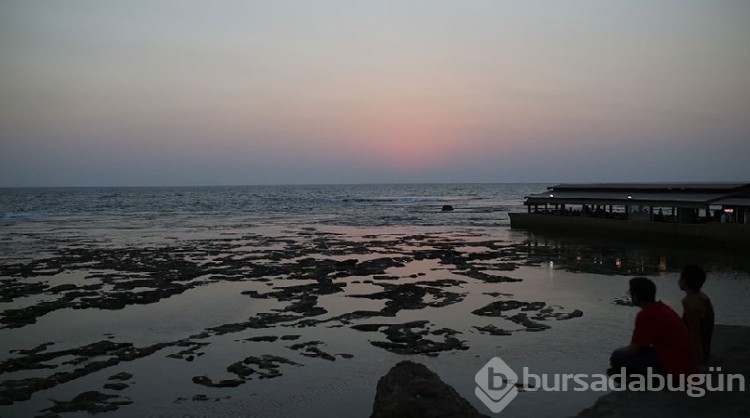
[[194, 209], [192, 268], [351, 205]]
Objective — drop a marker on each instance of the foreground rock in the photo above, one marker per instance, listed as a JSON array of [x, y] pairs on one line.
[[412, 390]]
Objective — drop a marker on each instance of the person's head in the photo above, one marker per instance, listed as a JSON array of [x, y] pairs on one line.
[[642, 291], [692, 278]]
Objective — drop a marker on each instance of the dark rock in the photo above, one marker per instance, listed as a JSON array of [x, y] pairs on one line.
[[290, 337], [61, 288], [412, 295], [440, 283], [444, 331], [35, 350], [523, 319], [318, 353], [497, 308], [575, 314], [116, 386], [311, 350], [534, 306], [487, 278], [261, 320], [241, 370], [189, 353], [497, 294], [20, 390], [541, 313], [266, 367], [368, 327], [205, 381], [409, 338], [383, 277], [266, 338], [11, 289], [346, 318], [306, 305], [255, 294], [446, 208], [411, 390], [93, 402], [492, 330]]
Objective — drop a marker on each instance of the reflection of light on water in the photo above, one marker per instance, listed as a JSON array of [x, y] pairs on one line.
[[579, 258], [618, 263], [662, 263], [551, 270]]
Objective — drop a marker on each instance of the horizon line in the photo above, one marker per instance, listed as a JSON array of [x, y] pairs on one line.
[[363, 184]]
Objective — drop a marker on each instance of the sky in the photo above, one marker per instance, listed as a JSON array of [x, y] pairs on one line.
[[159, 93]]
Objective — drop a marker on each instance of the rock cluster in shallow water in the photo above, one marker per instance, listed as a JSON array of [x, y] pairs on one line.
[[297, 274]]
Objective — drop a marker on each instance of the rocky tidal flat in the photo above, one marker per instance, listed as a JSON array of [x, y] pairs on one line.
[[291, 272], [84, 326]]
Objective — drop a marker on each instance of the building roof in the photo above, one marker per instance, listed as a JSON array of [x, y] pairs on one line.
[[653, 186], [690, 195], [737, 200]]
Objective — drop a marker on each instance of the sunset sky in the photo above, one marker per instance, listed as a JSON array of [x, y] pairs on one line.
[[104, 93]]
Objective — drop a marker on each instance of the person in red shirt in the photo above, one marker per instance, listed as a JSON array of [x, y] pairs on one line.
[[660, 339]]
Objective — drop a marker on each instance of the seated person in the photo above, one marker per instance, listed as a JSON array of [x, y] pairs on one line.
[[698, 312], [660, 339]]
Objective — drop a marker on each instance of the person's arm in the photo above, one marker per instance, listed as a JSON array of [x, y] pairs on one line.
[[643, 335], [692, 317]]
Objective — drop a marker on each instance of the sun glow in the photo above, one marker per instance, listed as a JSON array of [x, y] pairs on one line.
[[411, 139]]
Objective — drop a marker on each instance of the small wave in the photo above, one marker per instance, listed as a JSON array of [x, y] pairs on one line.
[[25, 215], [368, 199], [398, 200]]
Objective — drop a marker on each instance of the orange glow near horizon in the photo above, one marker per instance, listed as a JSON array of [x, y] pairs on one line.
[[410, 139]]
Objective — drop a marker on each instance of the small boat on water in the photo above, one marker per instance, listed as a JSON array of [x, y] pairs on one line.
[[709, 213]]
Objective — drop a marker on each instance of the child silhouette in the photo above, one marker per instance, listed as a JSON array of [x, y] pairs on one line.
[[698, 312]]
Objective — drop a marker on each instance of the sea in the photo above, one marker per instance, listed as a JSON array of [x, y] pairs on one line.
[[276, 301], [350, 205]]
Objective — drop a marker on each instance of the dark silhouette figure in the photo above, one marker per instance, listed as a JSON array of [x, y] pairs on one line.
[[698, 312], [660, 339]]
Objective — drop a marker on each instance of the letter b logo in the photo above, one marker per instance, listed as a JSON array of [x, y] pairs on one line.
[[496, 385]]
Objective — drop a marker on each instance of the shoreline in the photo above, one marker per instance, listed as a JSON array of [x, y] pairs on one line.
[[731, 352]]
